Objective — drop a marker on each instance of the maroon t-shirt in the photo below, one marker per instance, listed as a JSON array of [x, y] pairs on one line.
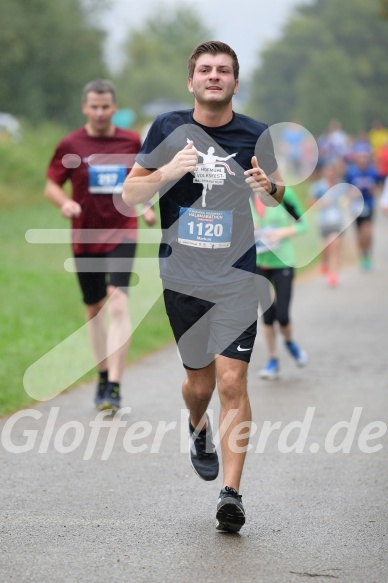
[[97, 167]]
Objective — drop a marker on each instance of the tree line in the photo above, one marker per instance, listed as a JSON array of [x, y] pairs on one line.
[[48, 51], [330, 62]]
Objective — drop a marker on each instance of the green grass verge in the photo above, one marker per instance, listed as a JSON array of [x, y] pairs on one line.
[[41, 303]]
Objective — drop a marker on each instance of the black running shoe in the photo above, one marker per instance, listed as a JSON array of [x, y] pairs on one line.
[[203, 455], [100, 393], [230, 511], [111, 398]]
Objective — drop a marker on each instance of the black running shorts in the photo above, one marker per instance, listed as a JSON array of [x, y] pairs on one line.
[[367, 217], [96, 272], [207, 321]]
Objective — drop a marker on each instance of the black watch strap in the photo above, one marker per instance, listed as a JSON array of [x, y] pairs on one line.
[[274, 188]]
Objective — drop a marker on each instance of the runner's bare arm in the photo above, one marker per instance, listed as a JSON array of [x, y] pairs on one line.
[[141, 184], [55, 194]]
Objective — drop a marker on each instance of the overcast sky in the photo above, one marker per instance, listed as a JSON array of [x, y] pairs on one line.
[[246, 25]]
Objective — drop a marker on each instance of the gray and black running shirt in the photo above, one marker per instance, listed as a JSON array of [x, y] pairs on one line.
[[205, 216]]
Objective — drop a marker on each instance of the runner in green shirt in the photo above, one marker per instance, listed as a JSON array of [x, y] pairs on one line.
[[275, 261]]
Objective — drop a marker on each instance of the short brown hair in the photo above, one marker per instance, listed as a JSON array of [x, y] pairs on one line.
[[214, 47], [99, 86]]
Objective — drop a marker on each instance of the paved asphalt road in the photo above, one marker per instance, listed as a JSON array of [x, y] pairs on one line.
[[142, 515]]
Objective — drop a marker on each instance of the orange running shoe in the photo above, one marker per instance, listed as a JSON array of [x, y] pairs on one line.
[[332, 279]]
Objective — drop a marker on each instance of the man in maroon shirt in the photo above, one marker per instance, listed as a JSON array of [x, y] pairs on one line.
[[96, 159]]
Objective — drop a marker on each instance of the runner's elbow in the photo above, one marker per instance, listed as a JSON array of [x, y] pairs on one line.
[[129, 195]]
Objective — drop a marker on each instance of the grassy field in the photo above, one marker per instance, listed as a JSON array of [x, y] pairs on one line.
[[41, 303]]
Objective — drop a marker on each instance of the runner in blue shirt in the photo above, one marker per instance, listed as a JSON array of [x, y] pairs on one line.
[[363, 174]]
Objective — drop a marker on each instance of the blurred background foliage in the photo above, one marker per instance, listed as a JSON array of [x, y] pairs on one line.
[[329, 62], [48, 50]]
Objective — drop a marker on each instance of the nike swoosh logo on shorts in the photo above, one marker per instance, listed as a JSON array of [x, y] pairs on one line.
[[242, 349]]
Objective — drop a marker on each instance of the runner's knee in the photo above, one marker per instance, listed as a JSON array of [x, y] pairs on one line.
[[117, 304], [231, 385], [283, 321]]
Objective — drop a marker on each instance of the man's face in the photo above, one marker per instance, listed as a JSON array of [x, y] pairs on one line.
[[98, 109], [213, 79]]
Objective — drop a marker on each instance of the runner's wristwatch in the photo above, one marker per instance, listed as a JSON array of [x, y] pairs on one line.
[[274, 188]]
